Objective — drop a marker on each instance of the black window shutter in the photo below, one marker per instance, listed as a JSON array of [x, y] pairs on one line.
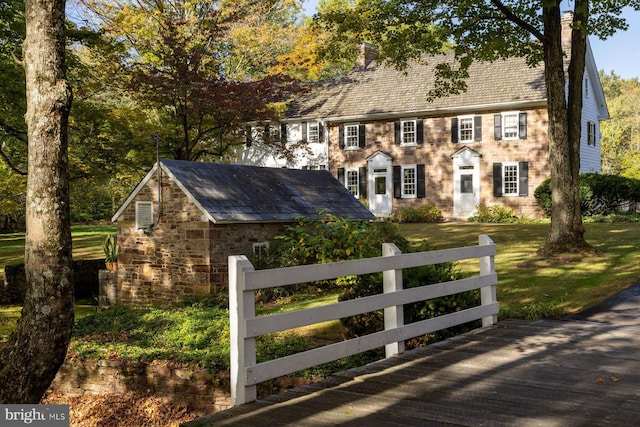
[[477, 128], [304, 131], [361, 136], [341, 176], [522, 130], [247, 136], [397, 133], [341, 137], [523, 175], [320, 132], [497, 127], [283, 132], [419, 131], [454, 129], [421, 181], [497, 180], [397, 182], [362, 181]]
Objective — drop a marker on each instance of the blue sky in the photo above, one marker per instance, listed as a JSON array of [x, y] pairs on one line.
[[619, 53]]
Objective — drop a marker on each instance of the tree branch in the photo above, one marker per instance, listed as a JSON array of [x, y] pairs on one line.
[[517, 20]]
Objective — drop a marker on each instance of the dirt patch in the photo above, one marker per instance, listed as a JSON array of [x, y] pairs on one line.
[[121, 409]]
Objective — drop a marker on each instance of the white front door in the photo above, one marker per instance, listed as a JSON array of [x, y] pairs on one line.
[[380, 184], [466, 183]]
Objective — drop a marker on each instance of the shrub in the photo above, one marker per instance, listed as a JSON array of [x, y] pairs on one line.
[[423, 214], [494, 214], [372, 284], [599, 194]]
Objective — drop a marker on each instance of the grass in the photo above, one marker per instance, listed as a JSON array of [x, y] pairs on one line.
[[86, 239], [529, 287], [532, 287]]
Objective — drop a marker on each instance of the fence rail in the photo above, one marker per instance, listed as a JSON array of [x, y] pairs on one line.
[[244, 280]]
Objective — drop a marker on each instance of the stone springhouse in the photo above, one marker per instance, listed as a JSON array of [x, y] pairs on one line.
[[179, 225]]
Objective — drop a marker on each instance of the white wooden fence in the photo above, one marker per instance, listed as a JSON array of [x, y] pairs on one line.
[[245, 326]]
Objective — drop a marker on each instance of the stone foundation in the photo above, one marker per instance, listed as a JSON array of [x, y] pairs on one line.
[[197, 389]]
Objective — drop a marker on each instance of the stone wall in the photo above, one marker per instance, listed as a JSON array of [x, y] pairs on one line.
[[183, 255], [85, 280], [195, 388], [436, 151]]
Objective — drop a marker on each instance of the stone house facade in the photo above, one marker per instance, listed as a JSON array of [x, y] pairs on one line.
[[379, 132], [175, 243]]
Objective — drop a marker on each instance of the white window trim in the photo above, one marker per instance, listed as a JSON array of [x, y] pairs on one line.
[[415, 182], [317, 126], [148, 220], [357, 145], [504, 181], [504, 127], [415, 132], [473, 125], [346, 180]]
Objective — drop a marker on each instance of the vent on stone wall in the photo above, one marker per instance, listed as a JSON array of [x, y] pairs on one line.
[[144, 215]]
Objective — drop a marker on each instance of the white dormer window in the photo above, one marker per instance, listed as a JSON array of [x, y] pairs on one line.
[[144, 215]]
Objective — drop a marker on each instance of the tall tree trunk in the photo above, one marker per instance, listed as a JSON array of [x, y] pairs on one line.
[[567, 231], [31, 358]]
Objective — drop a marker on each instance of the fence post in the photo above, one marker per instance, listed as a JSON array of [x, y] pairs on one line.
[[243, 349], [488, 293], [393, 316]]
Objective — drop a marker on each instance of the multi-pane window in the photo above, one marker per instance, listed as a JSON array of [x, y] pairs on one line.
[[274, 133], [466, 129], [313, 132], [408, 129], [409, 181], [510, 179], [351, 181], [351, 136], [510, 125]]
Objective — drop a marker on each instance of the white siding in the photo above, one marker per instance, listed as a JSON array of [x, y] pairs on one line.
[[589, 154], [260, 155]]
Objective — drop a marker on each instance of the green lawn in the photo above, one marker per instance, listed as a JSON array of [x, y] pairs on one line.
[[532, 287], [529, 286], [87, 244]]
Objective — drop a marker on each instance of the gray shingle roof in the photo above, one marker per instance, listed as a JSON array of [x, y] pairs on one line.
[[238, 193], [381, 89]]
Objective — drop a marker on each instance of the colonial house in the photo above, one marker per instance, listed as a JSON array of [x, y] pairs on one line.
[[179, 225], [379, 134]]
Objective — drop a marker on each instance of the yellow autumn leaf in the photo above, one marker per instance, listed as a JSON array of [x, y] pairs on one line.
[[599, 380], [615, 379]]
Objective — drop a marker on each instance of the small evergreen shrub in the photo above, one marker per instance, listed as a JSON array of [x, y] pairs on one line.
[[494, 214], [599, 194], [423, 214]]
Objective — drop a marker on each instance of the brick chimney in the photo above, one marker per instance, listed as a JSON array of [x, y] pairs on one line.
[[366, 55], [567, 20]]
